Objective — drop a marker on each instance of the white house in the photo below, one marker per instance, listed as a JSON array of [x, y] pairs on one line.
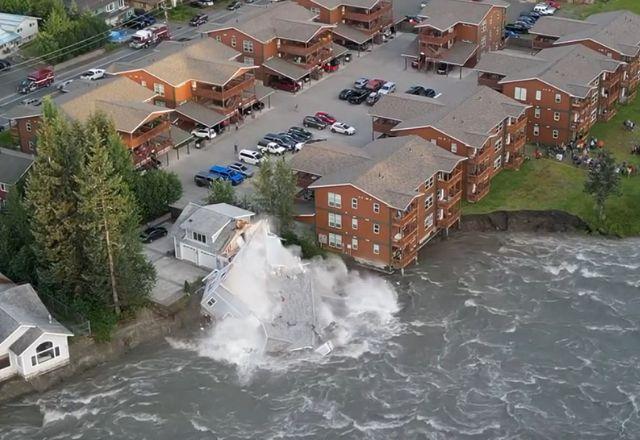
[[207, 235], [16, 30], [31, 341]]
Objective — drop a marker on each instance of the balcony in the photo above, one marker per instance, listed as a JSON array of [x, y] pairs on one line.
[[450, 218], [233, 88], [382, 125], [447, 181], [400, 220], [144, 154], [401, 259], [304, 49], [579, 103], [479, 157], [490, 80], [450, 200], [437, 38], [520, 125], [543, 42], [478, 173], [367, 16], [145, 133], [515, 161], [517, 142], [481, 191]]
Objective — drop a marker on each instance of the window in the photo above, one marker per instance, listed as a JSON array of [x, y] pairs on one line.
[[248, 61], [440, 214], [335, 220], [199, 237], [536, 130], [4, 362], [211, 302], [27, 127], [354, 223], [315, 10], [376, 228], [558, 98], [335, 241], [498, 145], [121, 3], [158, 88], [233, 41], [536, 112], [32, 146], [428, 183], [556, 116], [538, 95], [376, 248], [247, 46], [110, 7], [428, 221], [143, 83], [218, 38], [520, 94], [335, 200], [354, 203], [44, 352], [498, 162], [484, 26], [376, 208], [354, 244], [428, 202], [555, 134], [454, 147]]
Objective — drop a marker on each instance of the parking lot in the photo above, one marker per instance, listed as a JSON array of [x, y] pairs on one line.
[[384, 61]]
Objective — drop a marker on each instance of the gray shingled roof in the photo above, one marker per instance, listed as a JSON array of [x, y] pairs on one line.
[[286, 68], [351, 33], [390, 169], [558, 26], [26, 340], [443, 14], [200, 113], [205, 221], [322, 158], [332, 4], [506, 63], [459, 54], [13, 165]]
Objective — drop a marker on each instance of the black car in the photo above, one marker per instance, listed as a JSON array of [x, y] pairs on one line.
[[527, 18], [198, 20], [201, 3], [422, 91], [306, 134], [153, 233], [259, 105], [517, 28], [234, 5], [4, 65], [296, 136], [281, 140], [313, 122], [359, 97], [346, 93]]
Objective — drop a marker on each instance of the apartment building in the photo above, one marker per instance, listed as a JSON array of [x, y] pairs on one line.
[[457, 32], [381, 203], [203, 81], [283, 39], [144, 128], [357, 22], [486, 127], [614, 34], [568, 88]]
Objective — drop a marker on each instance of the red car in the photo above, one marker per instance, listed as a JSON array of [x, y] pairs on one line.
[[375, 84], [326, 118], [553, 4], [288, 86]]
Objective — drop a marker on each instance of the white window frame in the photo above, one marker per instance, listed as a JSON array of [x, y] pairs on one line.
[[234, 41], [335, 220], [497, 163], [454, 147], [354, 203], [536, 112], [538, 95], [536, 130], [334, 200], [520, 93], [556, 116], [376, 248], [558, 98], [335, 240], [428, 221], [555, 134], [376, 228], [354, 224], [28, 127], [247, 46], [376, 208], [428, 183], [200, 238], [3, 187], [428, 201], [354, 243], [158, 88]]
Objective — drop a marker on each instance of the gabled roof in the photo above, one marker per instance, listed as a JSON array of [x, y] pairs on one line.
[[13, 165], [351, 33], [617, 30], [443, 14], [10, 21], [176, 63], [286, 68], [389, 169], [332, 4], [200, 114]]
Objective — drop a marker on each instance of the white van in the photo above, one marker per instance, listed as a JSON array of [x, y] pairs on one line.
[[388, 87], [250, 156]]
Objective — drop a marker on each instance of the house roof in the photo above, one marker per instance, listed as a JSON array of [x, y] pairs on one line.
[[22, 111], [12, 21], [470, 120], [201, 114], [285, 20], [459, 54], [230, 211], [174, 62], [332, 4], [26, 340], [617, 30], [351, 33], [389, 169], [205, 221], [286, 68], [8, 37], [21, 306], [443, 14], [13, 165]]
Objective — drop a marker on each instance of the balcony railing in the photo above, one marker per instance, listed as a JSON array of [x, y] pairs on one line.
[[479, 173], [449, 219], [234, 87], [579, 103], [400, 221], [304, 49], [518, 126], [515, 161], [145, 153], [450, 200], [437, 39], [368, 16], [517, 142], [490, 80], [449, 180], [480, 156], [402, 259], [481, 191], [143, 134], [382, 125]]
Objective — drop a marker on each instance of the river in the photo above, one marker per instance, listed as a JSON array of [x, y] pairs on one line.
[[497, 336]]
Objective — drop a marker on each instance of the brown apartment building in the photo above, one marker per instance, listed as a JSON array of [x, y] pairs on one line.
[[283, 39], [568, 88], [614, 34], [458, 32], [357, 22], [381, 203], [486, 127], [203, 81], [143, 127]]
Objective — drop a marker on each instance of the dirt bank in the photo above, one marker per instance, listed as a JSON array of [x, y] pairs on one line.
[[524, 221]]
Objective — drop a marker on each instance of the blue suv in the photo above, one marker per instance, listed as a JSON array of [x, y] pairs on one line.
[[227, 173]]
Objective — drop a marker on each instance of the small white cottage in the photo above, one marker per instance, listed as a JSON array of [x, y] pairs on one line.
[[31, 341]]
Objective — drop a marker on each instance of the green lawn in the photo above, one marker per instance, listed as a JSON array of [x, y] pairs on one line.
[[583, 11], [618, 140], [6, 140], [182, 13]]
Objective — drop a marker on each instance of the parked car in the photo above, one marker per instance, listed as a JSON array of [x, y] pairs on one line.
[[286, 85], [271, 148], [331, 66], [325, 117], [201, 3], [524, 24], [388, 87], [226, 173], [306, 134], [234, 5], [346, 93], [526, 19], [314, 122], [4, 65], [153, 233], [204, 133], [284, 141], [517, 28], [241, 168], [63, 85], [250, 156], [296, 136], [360, 83], [375, 84], [32, 101], [511, 34], [93, 74], [442, 69], [422, 91], [549, 11], [359, 97], [204, 178], [544, 9], [373, 98], [342, 128], [199, 19]]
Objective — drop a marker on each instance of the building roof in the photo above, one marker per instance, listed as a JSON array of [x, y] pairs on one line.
[[443, 14], [209, 219], [11, 21], [230, 211], [22, 111], [26, 340], [8, 37], [21, 306], [13, 165], [617, 30], [351, 33], [470, 121], [206, 60], [389, 169], [286, 68], [459, 54], [571, 68], [200, 114], [323, 158], [332, 4], [284, 20]]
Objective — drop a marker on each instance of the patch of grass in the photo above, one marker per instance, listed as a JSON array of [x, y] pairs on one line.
[[182, 13], [617, 139], [546, 184], [7, 140], [583, 11]]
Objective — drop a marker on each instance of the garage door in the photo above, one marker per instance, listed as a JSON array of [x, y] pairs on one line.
[[189, 253], [207, 260]]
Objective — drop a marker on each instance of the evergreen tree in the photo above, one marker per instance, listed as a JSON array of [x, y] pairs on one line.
[[603, 181], [221, 191], [275, 189], [17, 260], [263, 183], [155, 190]]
